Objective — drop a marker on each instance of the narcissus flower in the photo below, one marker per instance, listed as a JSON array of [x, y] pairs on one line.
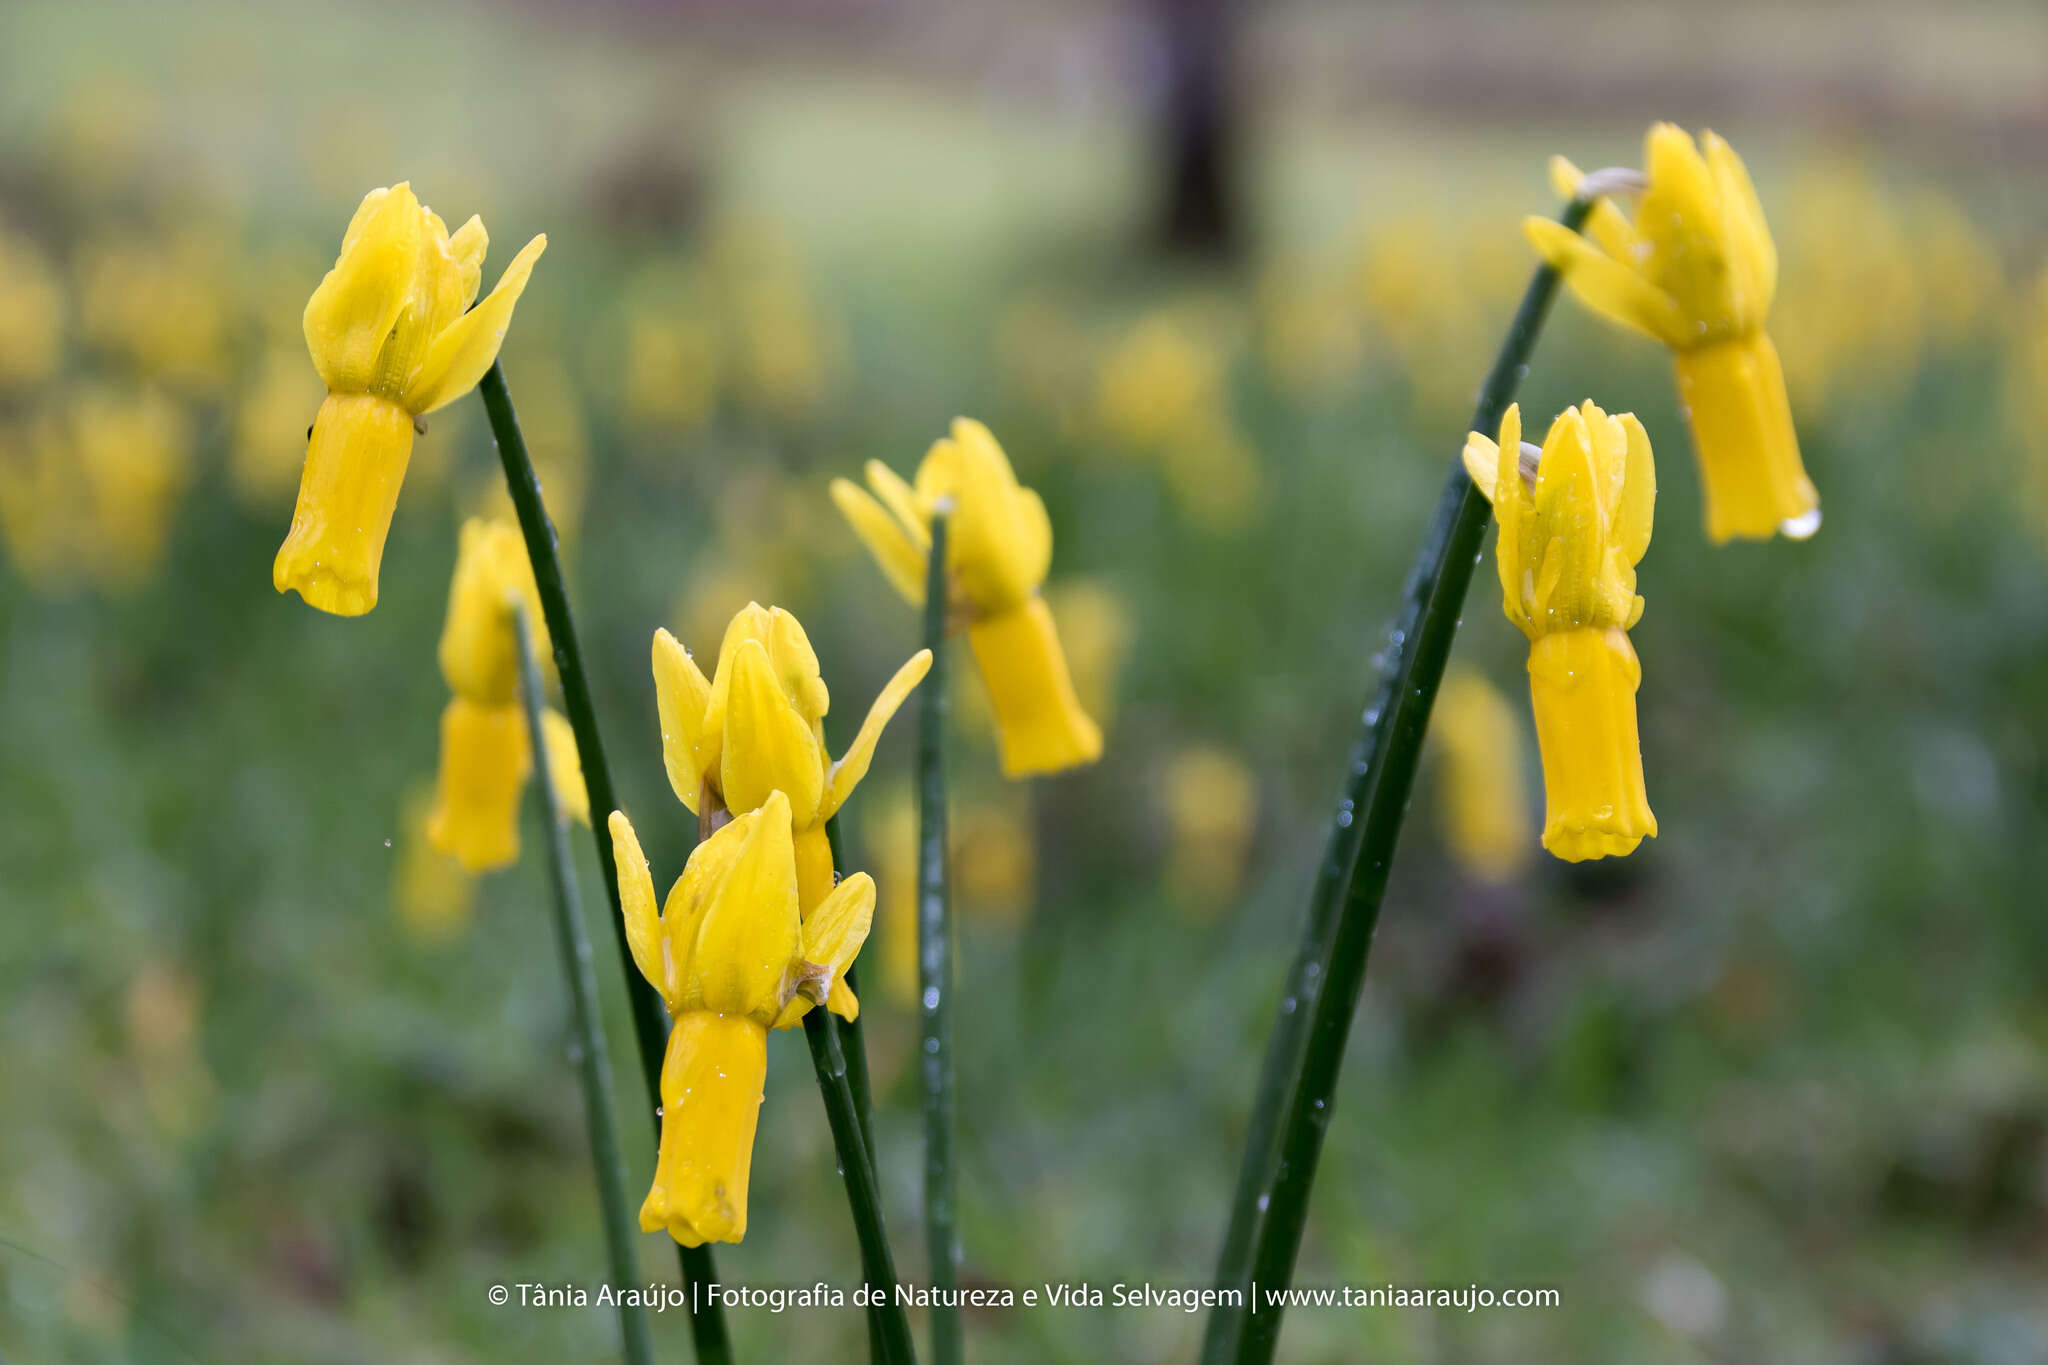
[[733, 958], [998, 548], [390, 336], [486, 754], [1574, 521], [1485, 811], [756, 728], [1697, 271]]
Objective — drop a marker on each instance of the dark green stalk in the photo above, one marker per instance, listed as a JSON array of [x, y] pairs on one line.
[[935, 963], [650, 1015], [888, 1326], [1292, 1109], [854, 1049], [851, 1035], [593, 1064]]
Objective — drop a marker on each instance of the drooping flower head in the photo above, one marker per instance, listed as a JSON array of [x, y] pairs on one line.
[[1574, 521], [757, 726], [998, 549], [486, 752], [1696, 270], [394, 337], [732, 957]]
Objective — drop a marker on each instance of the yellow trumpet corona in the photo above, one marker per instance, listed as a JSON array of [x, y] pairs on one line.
[[486, 753], [998, 549], [732, 957], [394, 337], [1574, 521], [1697, 270]]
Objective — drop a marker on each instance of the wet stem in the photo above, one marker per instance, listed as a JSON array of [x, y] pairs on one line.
[[935, 964], [1291, 1110], [650, 1016], [888, 1326]]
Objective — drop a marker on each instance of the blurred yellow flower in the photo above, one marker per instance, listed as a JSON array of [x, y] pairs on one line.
[[1697, 271], [391, 338], [434, 895], [785, 358], [486, 753], [732, 957], [994, 862], [31, 316], [1310, 333], [999, 546], [1574, 521], [757, 726], [265, 459], [89, 491], [1484, 809], [1163, 390], [163, 305], [1160, 377], [671, 376], [1854, 313], [1433, 289], [889, 823], [1211, 799]]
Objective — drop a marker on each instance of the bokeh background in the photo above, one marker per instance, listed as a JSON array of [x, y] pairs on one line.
[[276, 1085]]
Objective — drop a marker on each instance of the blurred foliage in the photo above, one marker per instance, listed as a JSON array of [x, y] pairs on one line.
[[280, 1087]]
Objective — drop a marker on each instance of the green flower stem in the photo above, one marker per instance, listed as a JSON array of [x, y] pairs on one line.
[[935, 962], [1292, 1109], [650, 1015], [855, 1051], [887, 1324], [592, 1061], [851, 1035]]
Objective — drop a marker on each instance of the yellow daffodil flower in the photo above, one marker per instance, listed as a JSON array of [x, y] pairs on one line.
[[998, 548], [756, 727], [1697, 271], [390, 336], [486, 754], [1574, 521], [1485, 814], [732, 957]]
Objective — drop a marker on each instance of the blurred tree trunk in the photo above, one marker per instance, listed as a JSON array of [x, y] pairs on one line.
[[1197, 126]]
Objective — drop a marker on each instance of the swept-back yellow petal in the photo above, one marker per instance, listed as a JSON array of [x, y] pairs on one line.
[[457, 358], [682, 694], [1482, 462], [901, 562], [1637, 509], [1605, 285], [901, 500], [853, 764], [833, 935], [636, 901]]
